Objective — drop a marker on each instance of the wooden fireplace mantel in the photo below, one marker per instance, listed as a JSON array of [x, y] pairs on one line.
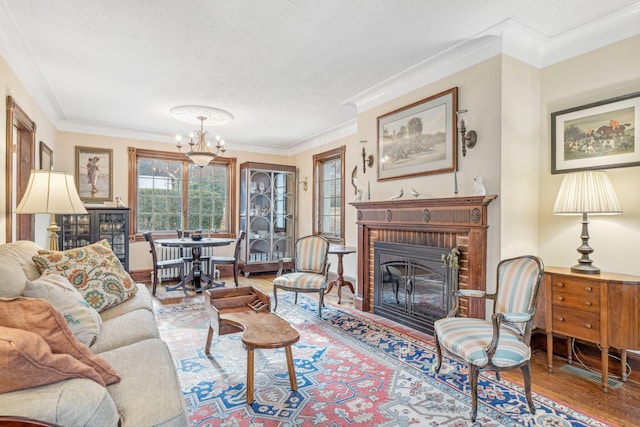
[[439, 222]]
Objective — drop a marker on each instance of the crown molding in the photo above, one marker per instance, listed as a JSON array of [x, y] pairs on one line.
[[344, 130]]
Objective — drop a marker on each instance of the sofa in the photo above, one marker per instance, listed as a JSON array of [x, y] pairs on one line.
[[142, 387]]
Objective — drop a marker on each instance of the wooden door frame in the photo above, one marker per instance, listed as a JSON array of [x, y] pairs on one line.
[[17, 118]]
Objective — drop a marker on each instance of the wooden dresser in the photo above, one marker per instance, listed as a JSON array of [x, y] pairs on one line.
[[600, 308]]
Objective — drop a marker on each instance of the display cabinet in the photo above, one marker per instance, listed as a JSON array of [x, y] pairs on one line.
[[267, 214], [99, 223]]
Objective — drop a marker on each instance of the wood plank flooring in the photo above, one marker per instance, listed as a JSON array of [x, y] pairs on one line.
[[620, 406]]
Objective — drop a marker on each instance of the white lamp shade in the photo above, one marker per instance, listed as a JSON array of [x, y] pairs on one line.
[[51, 192], [586, 192]]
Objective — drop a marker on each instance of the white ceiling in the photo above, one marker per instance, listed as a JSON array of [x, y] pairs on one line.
[[288, 71]]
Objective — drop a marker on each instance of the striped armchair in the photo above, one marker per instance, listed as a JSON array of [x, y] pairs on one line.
[[501, 343], [311, 271]]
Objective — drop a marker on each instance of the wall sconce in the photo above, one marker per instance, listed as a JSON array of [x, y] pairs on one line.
[[305, 184], [468, 138], [366, 160]]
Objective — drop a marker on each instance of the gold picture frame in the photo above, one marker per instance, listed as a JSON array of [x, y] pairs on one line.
[[94, 174], [419, 139]]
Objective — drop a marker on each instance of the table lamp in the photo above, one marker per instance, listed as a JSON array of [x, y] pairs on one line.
[[582, 193], [51, 192]]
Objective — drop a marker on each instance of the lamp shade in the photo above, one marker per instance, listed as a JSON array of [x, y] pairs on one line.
[[50, 192], [586, 192]]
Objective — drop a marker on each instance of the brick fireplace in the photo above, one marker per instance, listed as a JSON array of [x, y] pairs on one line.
[[459, 222]]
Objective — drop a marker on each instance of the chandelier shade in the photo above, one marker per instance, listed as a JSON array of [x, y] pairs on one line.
[[200, 151]]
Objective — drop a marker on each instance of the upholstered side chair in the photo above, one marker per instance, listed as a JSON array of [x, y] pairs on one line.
[[501, 343], [163, 264], [311, 270]]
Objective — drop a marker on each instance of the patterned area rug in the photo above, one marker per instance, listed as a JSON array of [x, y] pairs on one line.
[[350, 371]]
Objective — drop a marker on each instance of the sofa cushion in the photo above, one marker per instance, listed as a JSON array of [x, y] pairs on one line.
[[26, 361], [84, 321], [22, 251], [94, 270], [74, 402], [137, 325], [141, 300], [148, 375], [39, 316]]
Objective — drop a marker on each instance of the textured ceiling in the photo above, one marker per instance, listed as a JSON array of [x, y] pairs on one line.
[[283, 69]]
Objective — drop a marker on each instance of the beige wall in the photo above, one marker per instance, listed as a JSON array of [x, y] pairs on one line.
[[10, 85], [602, 74]]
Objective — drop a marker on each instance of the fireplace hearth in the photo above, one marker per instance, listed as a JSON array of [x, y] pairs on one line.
[[413, 283]]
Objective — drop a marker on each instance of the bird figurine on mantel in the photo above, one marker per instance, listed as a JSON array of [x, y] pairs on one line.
[[414, 192], [478, 187], [397, 196]]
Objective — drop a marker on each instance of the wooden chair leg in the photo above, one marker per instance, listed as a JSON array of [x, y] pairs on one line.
[[235, 273], [275, 297], [473, 381], [320, 302], [526, 375], [155, 281], [438, 364]]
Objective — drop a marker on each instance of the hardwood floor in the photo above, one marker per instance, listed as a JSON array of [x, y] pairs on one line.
[[617, 407]]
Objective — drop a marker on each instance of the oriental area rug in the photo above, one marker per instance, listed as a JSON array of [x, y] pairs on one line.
[[351, 371]]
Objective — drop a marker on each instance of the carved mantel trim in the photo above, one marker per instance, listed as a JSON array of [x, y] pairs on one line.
[[442, 222]]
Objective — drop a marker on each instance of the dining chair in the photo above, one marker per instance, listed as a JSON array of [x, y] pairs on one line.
[[218, 260], [501, 343], [311, 270], [163, 264]]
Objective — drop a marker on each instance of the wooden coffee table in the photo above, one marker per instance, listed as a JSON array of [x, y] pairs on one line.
[[248, 309]]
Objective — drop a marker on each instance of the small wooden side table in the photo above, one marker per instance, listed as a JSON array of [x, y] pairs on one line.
[[340, 251], [248, 309], [264, 330]]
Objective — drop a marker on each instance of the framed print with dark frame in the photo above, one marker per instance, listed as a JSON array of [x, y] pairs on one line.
[[94, 174], [419, 139], [600, 135], [46, 156]]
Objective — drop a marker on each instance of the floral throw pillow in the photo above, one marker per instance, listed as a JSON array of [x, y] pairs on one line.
[[94, 270]]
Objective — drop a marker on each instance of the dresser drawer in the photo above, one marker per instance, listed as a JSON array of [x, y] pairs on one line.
[[588, 302], [576, 323], [575, 286]]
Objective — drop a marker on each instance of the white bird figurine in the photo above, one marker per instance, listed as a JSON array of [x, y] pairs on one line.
[[397, 196], [358, 196], [414, 192], [478, 187]]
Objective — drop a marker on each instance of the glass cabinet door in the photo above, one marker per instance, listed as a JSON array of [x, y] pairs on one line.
[[267, 215]]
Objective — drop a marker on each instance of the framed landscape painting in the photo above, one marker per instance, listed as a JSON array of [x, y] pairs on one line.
[[94, 174], [600, 135], [419, 139]]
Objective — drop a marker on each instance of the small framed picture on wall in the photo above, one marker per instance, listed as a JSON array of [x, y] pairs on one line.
[[46, 156], [94, 174]]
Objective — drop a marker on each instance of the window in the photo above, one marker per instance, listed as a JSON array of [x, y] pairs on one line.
[[328, 197], [168, 192]]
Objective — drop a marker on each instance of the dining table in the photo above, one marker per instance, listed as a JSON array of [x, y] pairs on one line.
[[196, 275]]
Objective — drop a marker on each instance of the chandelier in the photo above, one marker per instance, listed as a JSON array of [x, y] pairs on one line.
[[200, 150]]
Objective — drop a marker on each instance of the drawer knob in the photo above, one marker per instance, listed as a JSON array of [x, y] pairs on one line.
[[589, 288], [561, 285], [588, 303], [588, 326], [560, 298], [561, 319]]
